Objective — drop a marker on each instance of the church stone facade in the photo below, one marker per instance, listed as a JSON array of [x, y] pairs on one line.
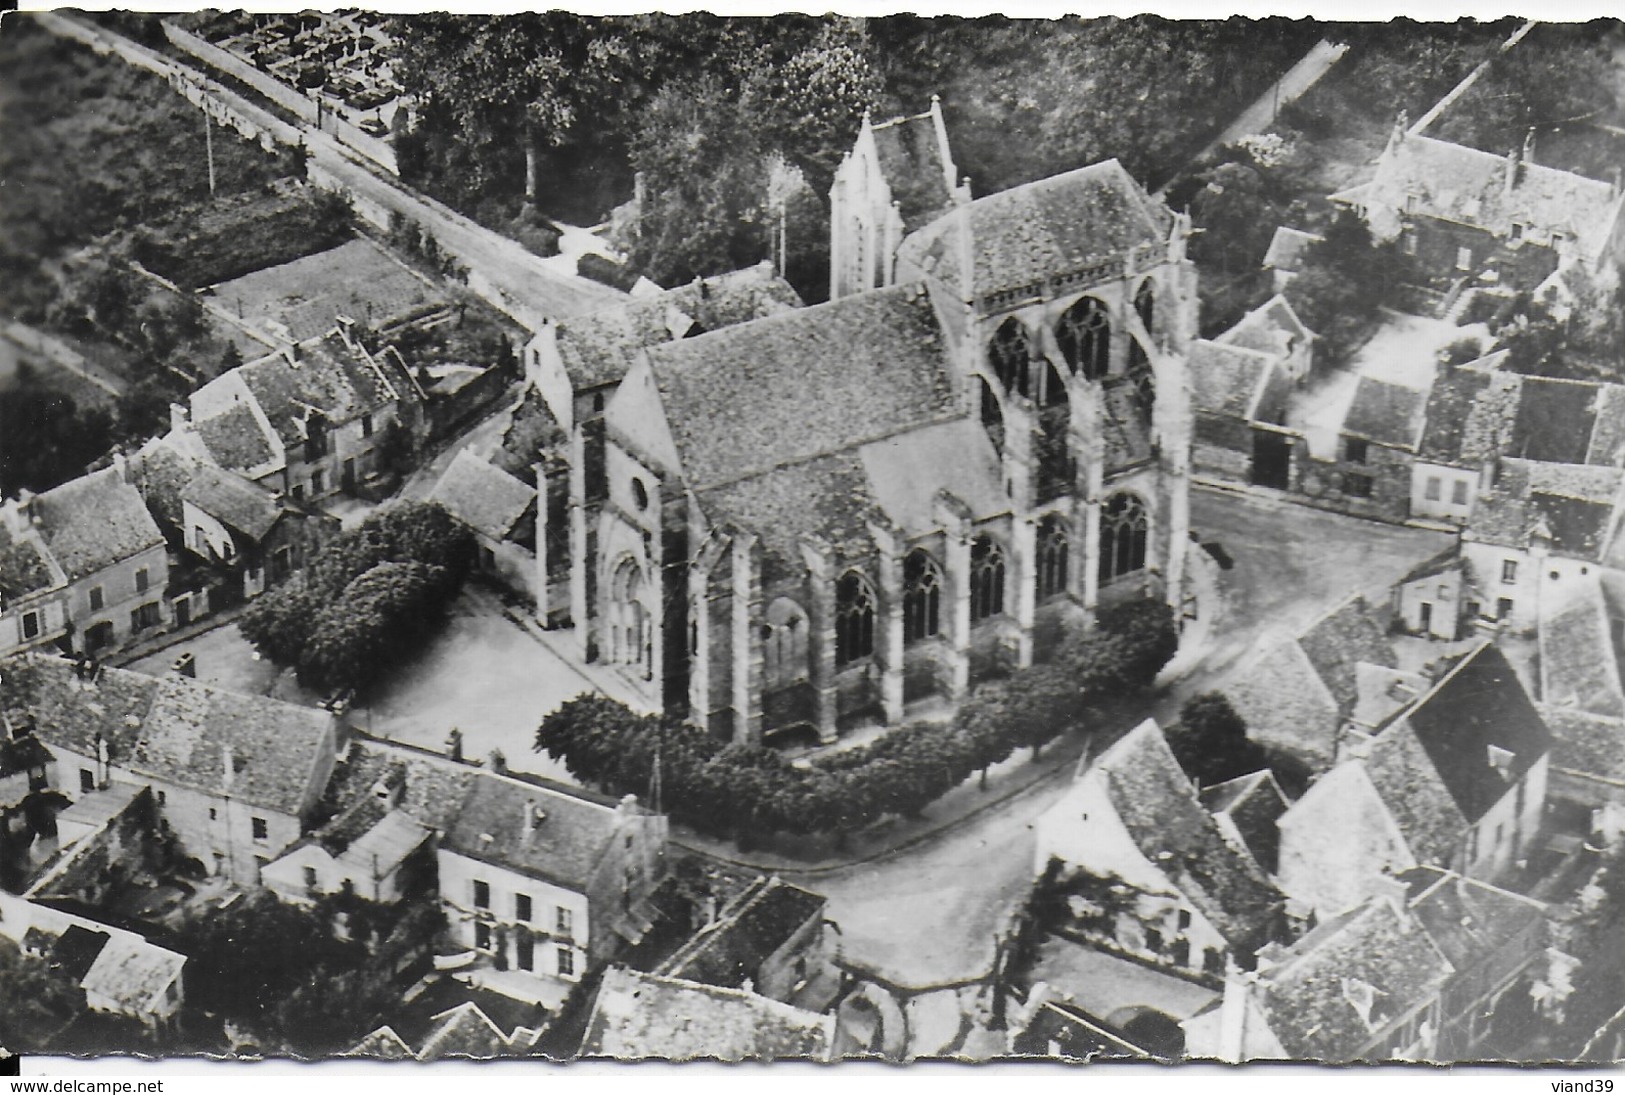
[[824, 517]]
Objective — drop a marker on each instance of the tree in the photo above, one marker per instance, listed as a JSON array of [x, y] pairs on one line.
[[1347, 278], [46, 438], [1210, 740]]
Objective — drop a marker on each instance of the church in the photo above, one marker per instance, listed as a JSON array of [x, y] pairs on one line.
[[822, 518]]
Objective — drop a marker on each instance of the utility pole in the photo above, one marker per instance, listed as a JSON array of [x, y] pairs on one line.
[[208, 144]]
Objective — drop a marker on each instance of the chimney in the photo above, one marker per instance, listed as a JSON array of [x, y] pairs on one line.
[[228, 768], [628, 806], [1529, 147], [1614, 183], [534, 816], [1514, 169], [180, 417], [1402, 123], [454, 744], [186, 665], [121, 465], [1389, 888]]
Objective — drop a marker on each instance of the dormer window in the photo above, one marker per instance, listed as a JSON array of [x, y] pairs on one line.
[[1502, 760]]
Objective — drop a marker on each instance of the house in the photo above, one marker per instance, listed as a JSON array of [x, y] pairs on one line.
[[82, 564], [1431, 600], [898, 176], [539, 881], [1454, 779], [1370, 469], [1424, 969], [308, 421], [120, 972], [1247, 809], [771, 939], [1538, 526], [1588, 762], [817, 518], [1174, 889], [642, 1016], [235, 777], [1285, 256], [1470, 415], [501, 512], [462, 1031], [1483, 219], [239, 537], [1298, 694], [1362, 986], [1241, 384]]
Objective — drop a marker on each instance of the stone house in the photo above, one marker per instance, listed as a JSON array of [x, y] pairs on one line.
[[307, 422], [501, 512], [1299, 693], [1484, 220], [1455, 779], [643, 1016], [1470, 414], [898, 176], [120, 972], [1431, 600], [1241, 387], [817, 518], [1161, 881], [235, 777], [1538, 527], [88, 562], [540, 882], [1369, 471]]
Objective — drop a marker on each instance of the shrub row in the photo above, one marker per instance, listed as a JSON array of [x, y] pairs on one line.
[[731, 789]]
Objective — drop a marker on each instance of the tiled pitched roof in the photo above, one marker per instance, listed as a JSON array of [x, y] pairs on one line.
[[485, 498], [1287, 247], [1480, 705], [1254, 803], [565, 846], [911, 163], [1590, 744], [383, 1044], [828, 498], [1272, 328], [1469, 417], [1579, 667], [339, 380], [432, 788], [160, 471], [1555, 420], [23, 566], [1308, 997], [1227, 379], [1464, 185], [302, 299], [1415, 795], [1608, 435], [811, 382], [597, 349], [1388, 414], [235, 439], [94, 521], [1469, 920], [233, 501], [1285, 703], [464, 1031], [732, 952], [1044, 229], [133, 973], [175, 729], [1339, 641], [638, 1016], [1570, 503], [906, 472], [1153, 797]]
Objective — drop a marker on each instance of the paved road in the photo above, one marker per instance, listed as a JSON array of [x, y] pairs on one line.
[[926, 913], [508, 276]]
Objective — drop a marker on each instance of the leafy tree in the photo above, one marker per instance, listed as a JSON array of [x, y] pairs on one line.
[[46, 438], [1211, 740], [1347, 278]]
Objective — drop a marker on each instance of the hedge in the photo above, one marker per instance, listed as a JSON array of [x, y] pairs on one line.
[[728, 789]]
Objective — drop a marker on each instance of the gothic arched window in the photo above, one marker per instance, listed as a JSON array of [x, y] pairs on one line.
[[1051, 388], [922, 595], [1085, 336], [1054, 550], [854, 618], [986, 578], [630, 635], [784, 644], [1009, 354], [1124, 527]]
